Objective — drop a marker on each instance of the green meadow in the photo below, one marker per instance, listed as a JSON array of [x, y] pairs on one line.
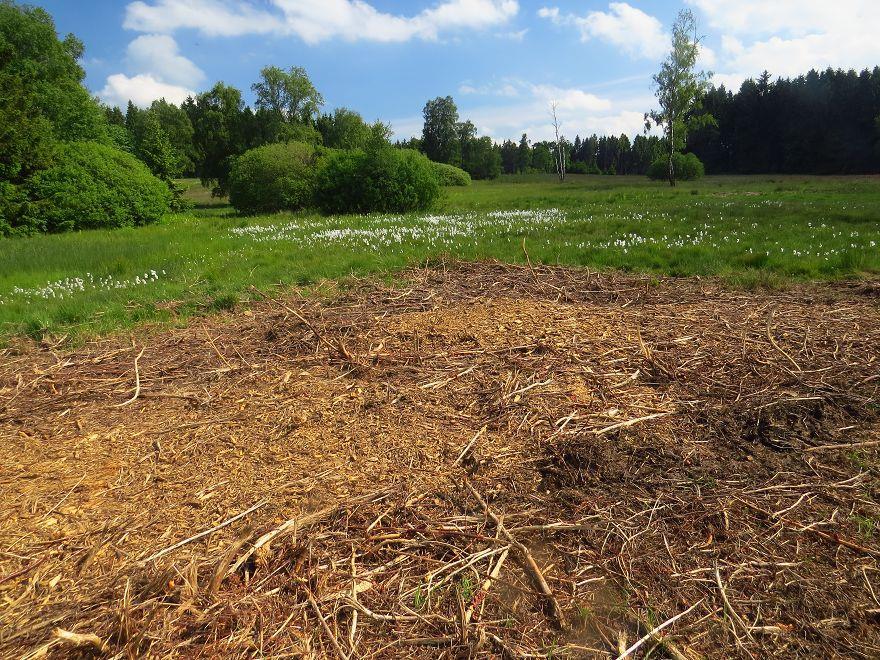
[[749, 231]]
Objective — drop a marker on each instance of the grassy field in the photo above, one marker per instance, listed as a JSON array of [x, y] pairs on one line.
[[752, 231]]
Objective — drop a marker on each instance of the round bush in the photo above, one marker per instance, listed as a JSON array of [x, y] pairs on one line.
[[687, 167], [90, 186], [450, 175], [384, 180], [275, 177]]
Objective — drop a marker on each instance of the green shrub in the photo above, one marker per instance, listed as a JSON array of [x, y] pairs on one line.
[[450, 175], [580, 167], [687, 167], [382, 180], [91, 185], [13, 203], [275, 177]]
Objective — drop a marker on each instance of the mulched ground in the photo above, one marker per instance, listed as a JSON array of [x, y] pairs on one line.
[[481, 461]]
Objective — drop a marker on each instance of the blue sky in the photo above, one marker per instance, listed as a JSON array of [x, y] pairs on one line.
[[504, 61]]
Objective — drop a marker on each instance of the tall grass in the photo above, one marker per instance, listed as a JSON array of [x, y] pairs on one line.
[[754, 231]]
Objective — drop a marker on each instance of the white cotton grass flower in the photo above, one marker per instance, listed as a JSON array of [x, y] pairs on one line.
[[72, 286]]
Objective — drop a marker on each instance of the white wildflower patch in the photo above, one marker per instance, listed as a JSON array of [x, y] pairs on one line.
[[751, 231], [384, 232], [719, 231], [70, 287]]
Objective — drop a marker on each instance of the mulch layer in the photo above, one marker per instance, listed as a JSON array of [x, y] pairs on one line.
[[481, 460]]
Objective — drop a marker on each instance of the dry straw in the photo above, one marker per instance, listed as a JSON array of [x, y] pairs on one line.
[[480, 461]]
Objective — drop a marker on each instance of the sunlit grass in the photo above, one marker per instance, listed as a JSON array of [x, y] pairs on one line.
[[753, 231]]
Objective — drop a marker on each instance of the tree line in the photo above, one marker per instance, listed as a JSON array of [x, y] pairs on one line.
[[820, 123], [203, 136], [824, 122], [447, 139]]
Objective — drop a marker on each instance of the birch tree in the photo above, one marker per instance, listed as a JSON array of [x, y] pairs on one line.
[[679, 88], [560, 147]]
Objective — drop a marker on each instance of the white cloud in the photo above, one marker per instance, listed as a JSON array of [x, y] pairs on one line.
[[508, 87], [454, 14], [317, 20], [630, 29], [731, 81], [158, 55], [141, 90], [218, 18], [790, 37], [795, 17], [534, 119], [792, 57], [707, 58], [569, 99], [159, 71]]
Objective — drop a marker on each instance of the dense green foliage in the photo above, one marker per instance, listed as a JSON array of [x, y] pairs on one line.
[[479, 156], [13, 204], [819, 123], [346, 129], [447, 140], [90, 186], [273, 177], [57, 168], [383, 180], [289, 95], [218, 136], [440, 139], [450, 175], [687, 167], [224, 127], [161, 136], [44, 69], [42, 99]]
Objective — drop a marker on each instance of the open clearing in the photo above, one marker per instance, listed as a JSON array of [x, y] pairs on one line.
[[751, 231], [612, 450]]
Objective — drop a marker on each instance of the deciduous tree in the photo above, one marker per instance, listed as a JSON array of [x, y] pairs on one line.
[[289, 93], [440, 134], [679, 88]]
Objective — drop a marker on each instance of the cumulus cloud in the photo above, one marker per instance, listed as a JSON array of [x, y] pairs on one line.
[[159, 55], [159, 71], [141, 90], [569, 99], [314, 21], [630, 29], [790, 37]]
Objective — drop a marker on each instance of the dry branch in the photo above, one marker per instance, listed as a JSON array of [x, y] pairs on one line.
[[207, 532], [529, 562]]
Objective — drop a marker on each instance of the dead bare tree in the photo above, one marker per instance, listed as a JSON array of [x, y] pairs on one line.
[[560, 147]]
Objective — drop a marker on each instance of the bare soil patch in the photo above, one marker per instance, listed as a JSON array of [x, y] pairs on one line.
[[484, 461]]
